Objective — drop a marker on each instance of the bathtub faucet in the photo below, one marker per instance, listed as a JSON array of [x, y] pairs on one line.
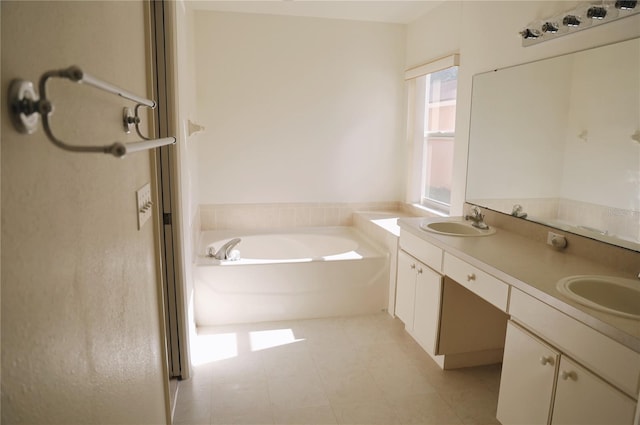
[[225, 250]]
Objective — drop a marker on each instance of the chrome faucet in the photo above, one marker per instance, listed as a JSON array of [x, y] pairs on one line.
[[477, 218], [224, 251], [518, 211]]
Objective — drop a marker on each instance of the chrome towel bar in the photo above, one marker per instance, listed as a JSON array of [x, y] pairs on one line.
[[26, 107]]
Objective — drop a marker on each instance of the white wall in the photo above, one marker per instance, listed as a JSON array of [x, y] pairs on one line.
[[186, 89], [486, 36], [81, 328], [299, 109]]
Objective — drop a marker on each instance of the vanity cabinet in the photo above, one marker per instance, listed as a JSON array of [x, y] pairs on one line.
[[418, 297], [583, 398], [450, 322], [527, 380], [541, 385], [558, 367], [406, 289], [615, 363]]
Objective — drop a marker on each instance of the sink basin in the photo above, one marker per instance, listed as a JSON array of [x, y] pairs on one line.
[[455, 228], [613, 295]]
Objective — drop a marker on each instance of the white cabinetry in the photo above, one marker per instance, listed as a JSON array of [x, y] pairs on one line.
[[542, 384], [614, 362], [406, 289], [582, 398], [527, 380], [451, 323], [418, 298]]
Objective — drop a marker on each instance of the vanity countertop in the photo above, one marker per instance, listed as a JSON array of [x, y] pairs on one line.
[[534, 268]]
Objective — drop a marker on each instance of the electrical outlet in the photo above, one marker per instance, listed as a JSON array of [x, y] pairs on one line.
[[144, 204], [556, 240]]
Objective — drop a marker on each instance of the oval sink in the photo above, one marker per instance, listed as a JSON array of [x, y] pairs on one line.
[[455, 228], [605, 293]]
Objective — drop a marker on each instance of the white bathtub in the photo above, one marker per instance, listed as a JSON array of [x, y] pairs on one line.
[[297, 274]]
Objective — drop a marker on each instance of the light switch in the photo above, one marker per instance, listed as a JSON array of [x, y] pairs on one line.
[[144, 204]]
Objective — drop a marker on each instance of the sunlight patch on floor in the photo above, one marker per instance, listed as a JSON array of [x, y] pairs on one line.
[[261, 340], [212, 348]]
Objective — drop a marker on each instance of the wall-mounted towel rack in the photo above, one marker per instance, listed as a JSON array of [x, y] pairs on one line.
[[26, 108]]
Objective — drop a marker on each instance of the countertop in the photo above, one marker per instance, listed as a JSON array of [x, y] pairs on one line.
[[534, 268]]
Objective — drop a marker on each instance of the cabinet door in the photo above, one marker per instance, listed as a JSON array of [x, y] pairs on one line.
[[583, 398], [426, 319], [406, 288], [526, 384]]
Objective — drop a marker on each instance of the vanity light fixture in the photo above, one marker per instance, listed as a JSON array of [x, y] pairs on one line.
[[596, 12], [529, 33], [584, 15], [571, 21], [626, 4]]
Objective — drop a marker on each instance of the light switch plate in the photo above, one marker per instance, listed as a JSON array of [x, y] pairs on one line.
[[144, 205]]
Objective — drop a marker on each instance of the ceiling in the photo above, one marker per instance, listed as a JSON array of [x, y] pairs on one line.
[[390, 11]]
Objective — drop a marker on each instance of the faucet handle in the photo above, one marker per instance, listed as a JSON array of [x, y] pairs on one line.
[[477, 212], [518, 211]]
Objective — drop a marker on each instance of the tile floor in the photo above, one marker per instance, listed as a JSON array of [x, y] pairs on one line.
[[351, 370]]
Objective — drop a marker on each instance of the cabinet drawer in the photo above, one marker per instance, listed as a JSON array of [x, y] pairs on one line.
[[429, 254], [482, 284], [612, 361]]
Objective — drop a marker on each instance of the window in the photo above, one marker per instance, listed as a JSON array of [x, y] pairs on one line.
[[432, 116]]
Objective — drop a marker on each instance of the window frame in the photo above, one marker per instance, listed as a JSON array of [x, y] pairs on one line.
[[416, 105]]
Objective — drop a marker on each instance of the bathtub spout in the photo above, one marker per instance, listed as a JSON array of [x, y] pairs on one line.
[[225, 250]]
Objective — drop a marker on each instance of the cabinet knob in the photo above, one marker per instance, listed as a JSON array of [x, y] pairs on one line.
[[413, 266], [420, 270], [471, 276], [546, 360], [569, 375]]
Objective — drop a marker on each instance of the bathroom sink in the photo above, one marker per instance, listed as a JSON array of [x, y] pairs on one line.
[[455, 228], [613, 295]]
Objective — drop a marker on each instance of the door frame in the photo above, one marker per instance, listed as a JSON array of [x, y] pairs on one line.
[[167, 174]]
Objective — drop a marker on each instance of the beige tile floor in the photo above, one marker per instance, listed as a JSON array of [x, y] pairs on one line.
[[350, 370]]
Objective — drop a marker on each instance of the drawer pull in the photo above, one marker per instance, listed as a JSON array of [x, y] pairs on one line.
[[569, 375], [546, 360], [471, 276]]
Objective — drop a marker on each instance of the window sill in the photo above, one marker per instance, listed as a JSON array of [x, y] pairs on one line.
[[429, 211]]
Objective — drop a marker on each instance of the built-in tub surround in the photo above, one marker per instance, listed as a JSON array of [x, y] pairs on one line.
[[382, 227], [285, 215], [294, 274]]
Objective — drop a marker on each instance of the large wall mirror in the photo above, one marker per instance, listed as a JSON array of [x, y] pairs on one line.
[[561, 138]]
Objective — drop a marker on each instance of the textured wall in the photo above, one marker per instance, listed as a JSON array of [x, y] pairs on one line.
[[81, 338], [299, 109]]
